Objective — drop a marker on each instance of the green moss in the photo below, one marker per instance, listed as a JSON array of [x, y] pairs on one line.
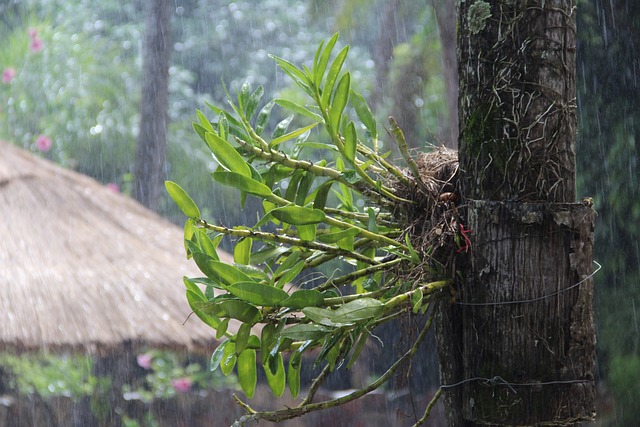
[[477, 16]]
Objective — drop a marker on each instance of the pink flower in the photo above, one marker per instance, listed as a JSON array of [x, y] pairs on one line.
[[182, 385], [36, 45], [144, 360], [43, 143], [116, 189], [33, 33], [8, 74]]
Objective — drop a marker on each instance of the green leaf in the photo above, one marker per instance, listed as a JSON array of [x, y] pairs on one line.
[[350, 142], [307, 232], [238, 310], [297, 108], [295, 363], [263, 117], [289, 274], [416, 300], [356, 310], [296, 74], [304, 187], [228, 358], [303, 298], [225, 273], [226, 155], [217, 355], [322, 194], [247, 372], [339, 102], [276, 380], [332, 76], [252, 103], [200, 130], [264, 295], [362, 340], [242, 183], [291, 135], [204, 121], [281, 128], [222, 328], [242, 251], [195, 303], [304, 332], [242, 337], [337, 236], [267, 340], [321, 66], [206, 245], [182, 199], [364, 113], [298, 215], [323, 317], [414, 255], [243, 95]]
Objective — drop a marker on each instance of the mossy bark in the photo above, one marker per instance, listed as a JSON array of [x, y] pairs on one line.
[[517, 343]]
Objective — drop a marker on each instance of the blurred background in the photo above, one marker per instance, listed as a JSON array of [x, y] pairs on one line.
[[73, 73]]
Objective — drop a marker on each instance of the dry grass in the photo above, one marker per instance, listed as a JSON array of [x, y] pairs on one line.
[[82, 267]]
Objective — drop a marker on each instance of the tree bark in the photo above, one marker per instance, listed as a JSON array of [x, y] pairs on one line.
[[152, 139], [517, 346]]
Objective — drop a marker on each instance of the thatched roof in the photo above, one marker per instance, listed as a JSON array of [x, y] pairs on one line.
[[84, 268]]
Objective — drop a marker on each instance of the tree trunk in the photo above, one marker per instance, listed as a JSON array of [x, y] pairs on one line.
[[152, 140], [517, 346]]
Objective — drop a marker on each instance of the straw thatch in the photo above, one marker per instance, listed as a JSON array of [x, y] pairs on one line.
[[84, 268]]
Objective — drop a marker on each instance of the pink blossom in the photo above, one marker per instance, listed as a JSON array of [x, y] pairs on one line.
[[33, 33], [144, 360], [8, 74], [116, 189], [36, 45], [182, 385], [43, 143]]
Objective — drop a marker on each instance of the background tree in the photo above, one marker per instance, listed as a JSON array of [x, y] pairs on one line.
[[518, 345], [151, 149], [608, 102]]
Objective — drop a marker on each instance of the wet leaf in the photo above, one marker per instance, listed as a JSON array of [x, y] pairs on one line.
[[252, 103], [242, 251], [295, 363], [332, 75], [242, 183], [279, 140], [182, 199], [350, 142], [228, 358], [266, 341], [204, 122], [364, 113], [264, 295], [357, 310], [339, 102], [298, 215], [226, 155], [242, 337], [263, 117], [281, 128], [240, 310], [338, 236], [303, 298], [276, 380], [289, 274], [304, 332], [321, 60], [225, 273], [217, 355], [247, 372], [299, 109]]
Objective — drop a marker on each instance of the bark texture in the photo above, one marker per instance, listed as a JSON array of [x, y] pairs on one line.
[[517, 98], [528, 331], [152, 141], [517, 343]]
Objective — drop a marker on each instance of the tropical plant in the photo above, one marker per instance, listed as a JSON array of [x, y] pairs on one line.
[[354, 211]]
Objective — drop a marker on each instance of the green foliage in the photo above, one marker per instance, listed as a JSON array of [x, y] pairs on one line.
[[309, 220]]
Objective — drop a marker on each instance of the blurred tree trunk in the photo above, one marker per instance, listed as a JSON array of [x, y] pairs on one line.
[[152, 140], [517, 347], [446, 18]]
